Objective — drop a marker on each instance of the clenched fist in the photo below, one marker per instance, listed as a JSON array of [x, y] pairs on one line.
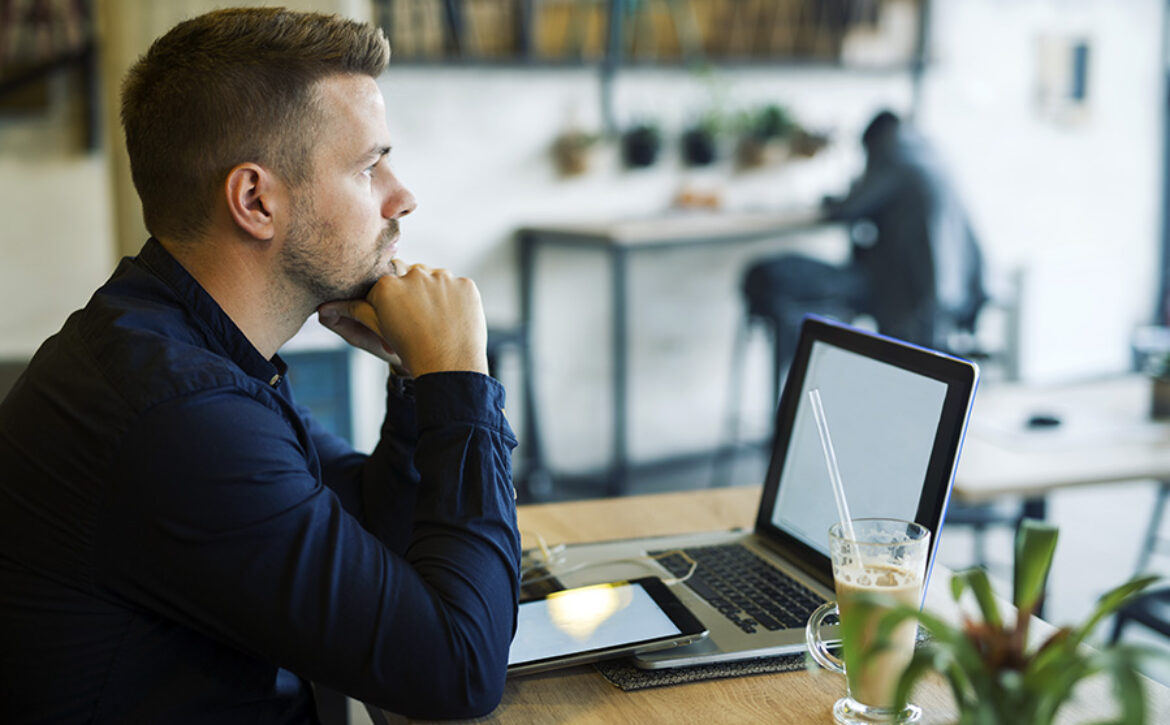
[[430, 319]]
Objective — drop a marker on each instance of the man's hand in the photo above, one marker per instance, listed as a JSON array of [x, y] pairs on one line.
[[430, 319]]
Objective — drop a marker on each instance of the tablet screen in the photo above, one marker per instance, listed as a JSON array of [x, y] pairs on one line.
[[598, 620]]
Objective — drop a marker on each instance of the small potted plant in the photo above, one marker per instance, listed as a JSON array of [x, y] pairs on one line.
[[996, 673], [700, 142], [759, 130], [640, 145], [1151, 348], [805, 144], [572, 151]]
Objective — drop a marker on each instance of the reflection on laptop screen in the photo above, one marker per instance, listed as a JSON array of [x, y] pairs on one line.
[[883, 422]]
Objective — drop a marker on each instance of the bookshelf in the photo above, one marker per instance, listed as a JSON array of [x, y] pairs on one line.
[[883, 34], [40, 39]]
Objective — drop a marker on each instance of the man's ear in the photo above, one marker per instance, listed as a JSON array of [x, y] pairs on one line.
[[253, 195]]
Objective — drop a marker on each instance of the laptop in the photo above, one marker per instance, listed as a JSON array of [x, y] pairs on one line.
[[897, 414]]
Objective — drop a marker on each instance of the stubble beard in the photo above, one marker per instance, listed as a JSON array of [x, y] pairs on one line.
[[308, 265]]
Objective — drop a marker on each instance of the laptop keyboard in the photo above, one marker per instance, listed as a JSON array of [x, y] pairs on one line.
[[744, 588]]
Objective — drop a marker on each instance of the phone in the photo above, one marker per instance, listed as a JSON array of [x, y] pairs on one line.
[[591, 623]]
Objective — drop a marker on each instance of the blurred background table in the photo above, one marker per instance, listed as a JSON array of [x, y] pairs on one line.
[[618, 240], [1026, 441]]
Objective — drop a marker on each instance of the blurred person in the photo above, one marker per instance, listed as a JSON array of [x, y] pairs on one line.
[[179, 540], [915, 264]]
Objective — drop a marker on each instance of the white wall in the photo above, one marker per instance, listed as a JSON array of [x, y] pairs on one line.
[[54, 259], [1076, 201]]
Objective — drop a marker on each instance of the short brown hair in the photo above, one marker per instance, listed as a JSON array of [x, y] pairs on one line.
[[228, 87]]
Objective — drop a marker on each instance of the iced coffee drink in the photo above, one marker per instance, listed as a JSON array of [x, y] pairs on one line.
[[883, 565]]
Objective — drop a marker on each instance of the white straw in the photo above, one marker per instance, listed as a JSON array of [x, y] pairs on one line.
[[814, 395]]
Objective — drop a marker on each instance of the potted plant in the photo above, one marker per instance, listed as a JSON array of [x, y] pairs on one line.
[[806, 144], [640, 144], [1151, 348], [700, 142], [996, 673], [759, 130], [572, 151]]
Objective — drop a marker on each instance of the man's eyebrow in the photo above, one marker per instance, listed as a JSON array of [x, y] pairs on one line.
[[377, 150]]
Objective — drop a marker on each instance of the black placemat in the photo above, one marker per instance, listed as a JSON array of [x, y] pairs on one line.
[[625, 674]]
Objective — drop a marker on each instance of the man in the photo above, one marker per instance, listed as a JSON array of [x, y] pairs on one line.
[[179, 542], [916, 266]]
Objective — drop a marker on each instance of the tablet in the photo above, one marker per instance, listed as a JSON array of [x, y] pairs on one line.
[[586, 624]]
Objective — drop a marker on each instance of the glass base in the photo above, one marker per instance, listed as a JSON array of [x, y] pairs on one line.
[[848, 711]]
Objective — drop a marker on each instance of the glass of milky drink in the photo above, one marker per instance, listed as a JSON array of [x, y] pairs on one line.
[[885, 558]]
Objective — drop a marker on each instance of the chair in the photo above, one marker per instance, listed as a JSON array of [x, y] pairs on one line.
[[1151, 609], [534, 481], [993, 342]]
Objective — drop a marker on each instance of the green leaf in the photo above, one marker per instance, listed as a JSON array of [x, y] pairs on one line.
[[1035, 546], [1122, 662], [976, 580], [1052, 654], [1052, 686], [921, 663], [958, 586], [1111, 600], [950, 646], [1127, 686]]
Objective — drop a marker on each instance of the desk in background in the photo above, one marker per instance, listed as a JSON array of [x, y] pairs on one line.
[[618, 241], [1105, 435], [581, 695]]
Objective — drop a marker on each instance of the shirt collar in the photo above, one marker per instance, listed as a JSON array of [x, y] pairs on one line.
[[219, 329]]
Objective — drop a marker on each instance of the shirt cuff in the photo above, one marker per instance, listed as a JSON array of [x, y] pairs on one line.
[[466, 397]]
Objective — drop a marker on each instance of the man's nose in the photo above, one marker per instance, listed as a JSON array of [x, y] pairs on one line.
[[399, 202]]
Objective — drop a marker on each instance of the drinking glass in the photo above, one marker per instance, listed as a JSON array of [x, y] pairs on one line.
[[886, 557]]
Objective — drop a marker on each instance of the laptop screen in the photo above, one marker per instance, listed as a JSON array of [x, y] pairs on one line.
[[882, 420], [896, 414]]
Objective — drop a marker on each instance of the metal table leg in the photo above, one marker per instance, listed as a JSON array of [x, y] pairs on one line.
[[535, 482], [619, 473]]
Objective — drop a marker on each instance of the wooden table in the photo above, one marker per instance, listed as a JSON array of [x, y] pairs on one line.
[[618, 240], [581, 695]]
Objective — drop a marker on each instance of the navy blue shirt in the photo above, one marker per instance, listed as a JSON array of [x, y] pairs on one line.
[[180, 542]]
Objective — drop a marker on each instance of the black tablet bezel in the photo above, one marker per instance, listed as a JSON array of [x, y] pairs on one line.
[[690, 630]]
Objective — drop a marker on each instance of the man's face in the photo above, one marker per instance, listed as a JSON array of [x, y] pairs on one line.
[[343, 232]]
